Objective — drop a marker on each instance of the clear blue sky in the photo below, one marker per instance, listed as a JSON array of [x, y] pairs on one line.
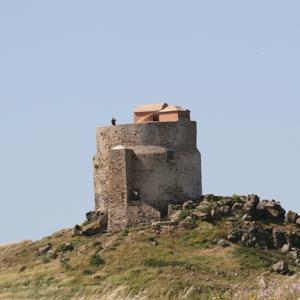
[[68, 66]]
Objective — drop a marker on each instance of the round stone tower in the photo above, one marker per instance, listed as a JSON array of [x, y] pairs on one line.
[[154, 161]]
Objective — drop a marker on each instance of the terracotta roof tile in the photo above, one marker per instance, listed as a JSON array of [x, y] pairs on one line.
[[173, 108], [150, 107]]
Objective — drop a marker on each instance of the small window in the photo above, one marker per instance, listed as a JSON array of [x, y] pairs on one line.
[[170, 155], [156, 118]]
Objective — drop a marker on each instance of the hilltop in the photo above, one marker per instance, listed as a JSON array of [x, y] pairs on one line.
[[214, 248]]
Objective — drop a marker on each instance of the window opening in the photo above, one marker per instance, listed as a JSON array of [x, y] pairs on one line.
[[135, 195], [170, 155]]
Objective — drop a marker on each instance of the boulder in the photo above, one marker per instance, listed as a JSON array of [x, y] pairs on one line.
[[249, 208], [270, 210], [253, 199], [254, 235], [225, 210], [44, 249], [91, 216], [205, 206], [208, 197], [277, 214], [66, 247], [174, 210], [52, 254], [243, 199], [188, 223], [77, 230], [153, 243], [298, 222], [262, 284], [237, 206], [97, 215], [247, 217], [280, 267], [276, 206], [174, 215], [261, 208], [285, 248], [249, 236], [222, 243], [293, 253], [199, 215], [235, 235], [279, 238], [215, 214], [293, 238], [226, 201], [291, 216], [156, 228], [188, 204], [91, 229], [237, 209]]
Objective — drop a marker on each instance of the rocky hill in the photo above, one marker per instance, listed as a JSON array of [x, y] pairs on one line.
[[216, 248]]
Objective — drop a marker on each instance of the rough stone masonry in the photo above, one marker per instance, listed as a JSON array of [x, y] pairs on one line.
[[141, 168]]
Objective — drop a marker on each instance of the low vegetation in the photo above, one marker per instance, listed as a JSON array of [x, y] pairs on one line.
[[146, 263]]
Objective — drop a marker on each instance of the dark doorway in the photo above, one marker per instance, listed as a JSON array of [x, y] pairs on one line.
[[135, 195]]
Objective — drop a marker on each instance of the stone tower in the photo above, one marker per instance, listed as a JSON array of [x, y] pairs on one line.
[[141, 168]]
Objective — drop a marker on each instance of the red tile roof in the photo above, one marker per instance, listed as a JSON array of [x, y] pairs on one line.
[[150, 107]]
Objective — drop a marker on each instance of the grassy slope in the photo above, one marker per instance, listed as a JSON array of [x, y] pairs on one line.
[[174, 264]]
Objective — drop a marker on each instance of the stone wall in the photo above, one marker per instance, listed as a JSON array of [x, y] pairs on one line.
[[122, 211], [158, 179], [163, 134], [119, 180], [139, 212], [162, 181], [159, 160]]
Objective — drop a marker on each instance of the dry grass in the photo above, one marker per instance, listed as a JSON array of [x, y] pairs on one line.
[[139, 264]]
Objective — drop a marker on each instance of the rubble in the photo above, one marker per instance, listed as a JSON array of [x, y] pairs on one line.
[[249, 218], [281, 267], [291, 217], [92, 229]]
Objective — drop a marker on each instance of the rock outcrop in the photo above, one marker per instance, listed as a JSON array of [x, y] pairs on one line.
[[245, 207], [281, 267], [252, 222], [96, 222]]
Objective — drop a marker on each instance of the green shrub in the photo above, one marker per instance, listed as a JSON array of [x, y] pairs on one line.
[[125, 232], [236, 198], [201, 237], [64, 262], [175, 206], [254, 258], [191, 224], [184, 214], [64, 247], [114, 246], [96, 261], [158, 263], [88, 272]]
